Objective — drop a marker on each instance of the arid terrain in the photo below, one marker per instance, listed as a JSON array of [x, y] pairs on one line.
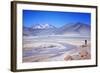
[[55, 48]]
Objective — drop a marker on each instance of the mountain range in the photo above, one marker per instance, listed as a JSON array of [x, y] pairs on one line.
[[67, 29]]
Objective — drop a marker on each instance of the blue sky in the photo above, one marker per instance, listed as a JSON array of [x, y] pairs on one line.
[[54, 18]]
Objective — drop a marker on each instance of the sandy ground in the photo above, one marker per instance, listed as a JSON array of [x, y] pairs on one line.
[[42, 50]]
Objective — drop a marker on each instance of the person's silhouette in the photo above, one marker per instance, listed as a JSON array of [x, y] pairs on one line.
[[85, 42]]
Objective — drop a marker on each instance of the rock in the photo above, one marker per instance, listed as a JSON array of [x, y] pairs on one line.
[[84, 54], [68, 57]]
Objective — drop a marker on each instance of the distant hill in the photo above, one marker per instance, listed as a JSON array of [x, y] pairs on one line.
[[77, 28]]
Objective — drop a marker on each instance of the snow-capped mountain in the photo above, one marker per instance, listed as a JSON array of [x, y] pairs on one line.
[[42, 26], [68, 29], [39, 29]]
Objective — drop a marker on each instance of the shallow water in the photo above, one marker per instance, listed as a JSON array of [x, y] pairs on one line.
[[44, 51]]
